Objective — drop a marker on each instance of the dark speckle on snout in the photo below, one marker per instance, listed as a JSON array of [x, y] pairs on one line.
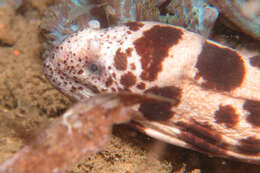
[[120, 60]]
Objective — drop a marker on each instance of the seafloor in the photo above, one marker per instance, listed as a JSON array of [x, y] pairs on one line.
[[28, 104]]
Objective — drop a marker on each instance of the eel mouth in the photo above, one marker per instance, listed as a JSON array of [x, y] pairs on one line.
[[69, 85], [93, 88]]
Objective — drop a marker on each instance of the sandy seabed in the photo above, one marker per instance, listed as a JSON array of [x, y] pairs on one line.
[[28, 104]]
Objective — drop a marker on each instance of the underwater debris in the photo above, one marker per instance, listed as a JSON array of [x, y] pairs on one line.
[[67, 17], [197, 16], [70, 15], [245, 15], [12, 3], [83, 129]]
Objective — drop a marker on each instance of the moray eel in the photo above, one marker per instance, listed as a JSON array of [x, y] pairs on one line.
[[217, 90]]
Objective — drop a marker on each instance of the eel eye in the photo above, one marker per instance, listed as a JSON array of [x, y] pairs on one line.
[[93, 68]]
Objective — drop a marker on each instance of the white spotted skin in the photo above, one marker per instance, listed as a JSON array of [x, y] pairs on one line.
[[217, 89]]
